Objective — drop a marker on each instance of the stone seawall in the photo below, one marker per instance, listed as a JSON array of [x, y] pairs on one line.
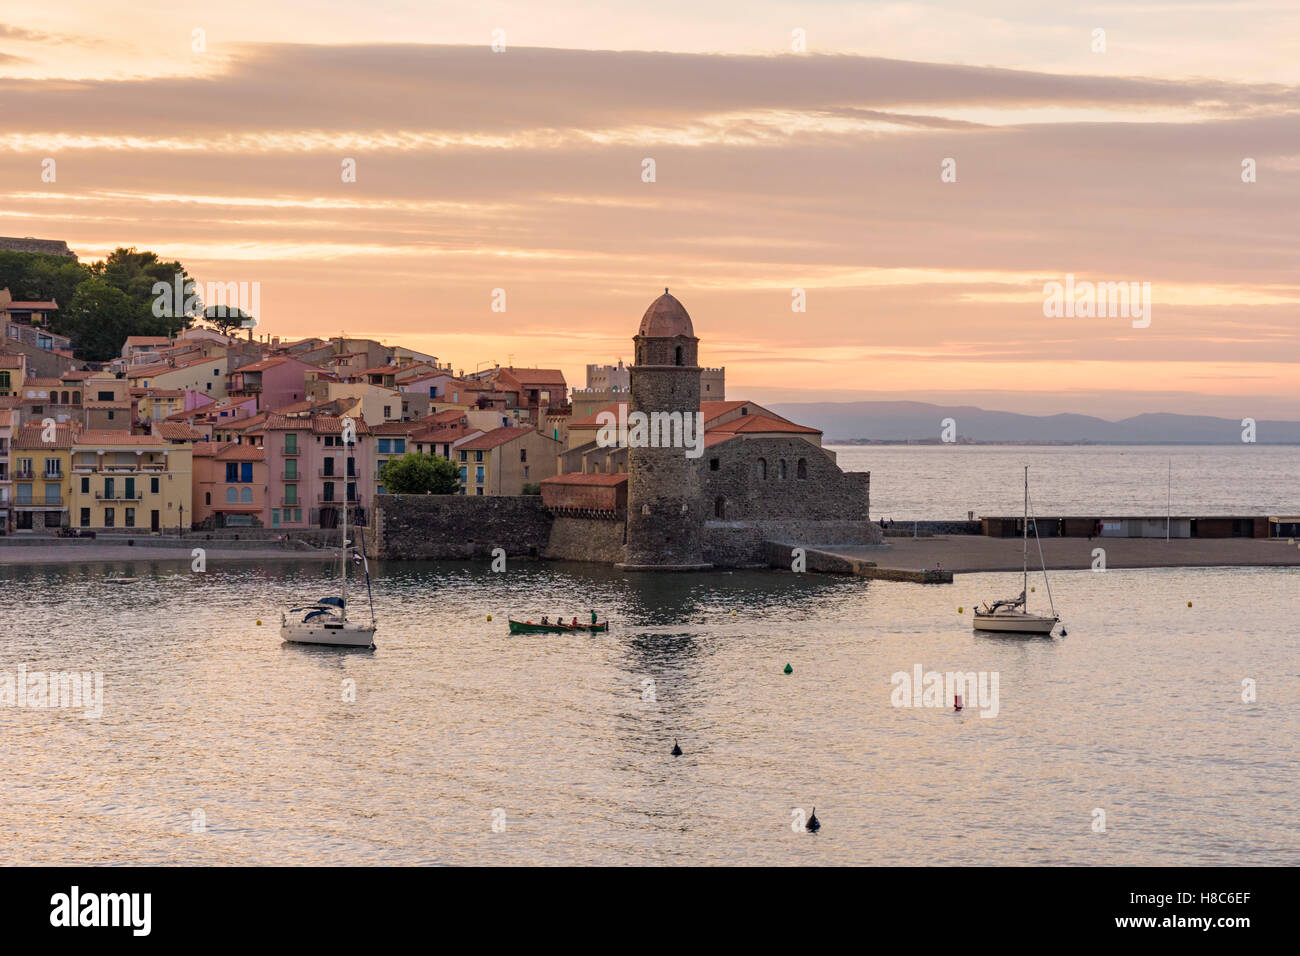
[[586, 539], [457, 527], [730, 544], [922, 529]]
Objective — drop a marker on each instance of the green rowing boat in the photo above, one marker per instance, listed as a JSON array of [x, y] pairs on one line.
[[528, 627]]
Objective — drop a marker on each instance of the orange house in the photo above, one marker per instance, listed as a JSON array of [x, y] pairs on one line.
[[229, 485]]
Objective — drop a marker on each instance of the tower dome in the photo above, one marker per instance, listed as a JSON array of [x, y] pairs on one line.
[[666, 318]]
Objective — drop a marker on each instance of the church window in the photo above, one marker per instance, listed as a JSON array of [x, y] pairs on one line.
[[720, 507], [780, 469], [801, 469], [762, 469], [679, 355]]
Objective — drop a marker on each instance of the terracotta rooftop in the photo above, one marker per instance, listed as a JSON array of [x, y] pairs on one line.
[[30, 436], [496, 437], [763, 423], [176, 431], [101, 437]]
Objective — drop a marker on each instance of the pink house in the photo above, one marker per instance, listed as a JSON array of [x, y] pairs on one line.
[[308, 473], [273, 382]]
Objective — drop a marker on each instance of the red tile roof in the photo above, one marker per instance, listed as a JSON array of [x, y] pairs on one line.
[[176, 431], [764, 423], [496, 437], [30, 436], [104, 436]]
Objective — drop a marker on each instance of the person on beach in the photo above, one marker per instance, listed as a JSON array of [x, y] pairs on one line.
[[593, 615]]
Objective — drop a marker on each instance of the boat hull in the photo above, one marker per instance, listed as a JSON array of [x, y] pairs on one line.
[[1015, 623], [347, 634], [525, 627]]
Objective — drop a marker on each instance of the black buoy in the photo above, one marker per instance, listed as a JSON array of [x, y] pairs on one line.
[[1063, 631], [677, 751], [813, 824]]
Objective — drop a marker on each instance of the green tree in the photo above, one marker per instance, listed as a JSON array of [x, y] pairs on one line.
[[136, 274], [34, 276], [226, 324], [98, 320], [416, 474]]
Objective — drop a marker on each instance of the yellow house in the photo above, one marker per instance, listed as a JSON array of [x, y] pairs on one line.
[[123, 481], [39, 461], [504, 460]]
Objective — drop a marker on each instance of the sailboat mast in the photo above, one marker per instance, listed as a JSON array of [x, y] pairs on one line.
[[343, 548], [1024, 578]]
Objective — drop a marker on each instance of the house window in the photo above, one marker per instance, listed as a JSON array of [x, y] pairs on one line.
[[232, 495], [464, 455], [85, 517], [399, 446], [108, 517], [478, 491], [153, 486], [713, 464], [290, 494], [207, 498], [85, 486], [523, 454], [130, 518], [388, 411], [464, 474], [478, 456], [478, 474], [291, 444], [291, 467], [105, 397]]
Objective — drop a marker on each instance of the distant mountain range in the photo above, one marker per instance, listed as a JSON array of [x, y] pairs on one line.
[[920, 421]]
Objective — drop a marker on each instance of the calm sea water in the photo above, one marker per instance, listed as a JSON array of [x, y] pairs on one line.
[[946, 481], [1138, 712]]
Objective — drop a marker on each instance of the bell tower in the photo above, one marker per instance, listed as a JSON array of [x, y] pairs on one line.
[[664, 520]]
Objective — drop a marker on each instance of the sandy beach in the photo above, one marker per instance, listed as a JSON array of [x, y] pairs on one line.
[[84, 551]]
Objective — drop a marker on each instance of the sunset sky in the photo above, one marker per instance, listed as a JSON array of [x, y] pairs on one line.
[[775, 170]]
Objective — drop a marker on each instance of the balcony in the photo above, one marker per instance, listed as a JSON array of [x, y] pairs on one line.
[[287, 503], [24, 473], [285, 476], [102, 496], [337, 476], [32, 501]]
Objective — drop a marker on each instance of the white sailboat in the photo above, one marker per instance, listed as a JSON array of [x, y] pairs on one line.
[[1013, 615], [326, 620]]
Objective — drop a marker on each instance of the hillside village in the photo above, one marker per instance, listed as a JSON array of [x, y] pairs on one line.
[[202, 430]]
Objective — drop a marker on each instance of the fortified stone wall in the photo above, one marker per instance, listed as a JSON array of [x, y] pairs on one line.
[[440, 527], [586, 539], [748, 502]]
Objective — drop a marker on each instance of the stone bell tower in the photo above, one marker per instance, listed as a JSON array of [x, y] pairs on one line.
[[664, 519]]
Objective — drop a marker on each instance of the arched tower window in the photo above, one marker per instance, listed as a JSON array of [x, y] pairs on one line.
[[762, 469], [640, 356], [780, 469], [679, 355], [720, 507], [801, 469]]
